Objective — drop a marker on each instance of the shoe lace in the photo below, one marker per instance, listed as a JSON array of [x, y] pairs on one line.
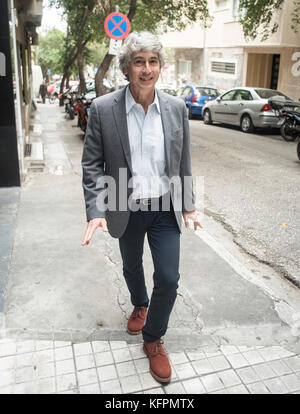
[[157, 347], [137, 312]]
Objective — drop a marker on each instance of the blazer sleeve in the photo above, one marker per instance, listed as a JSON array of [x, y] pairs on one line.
[[93, 166], [188, 196]]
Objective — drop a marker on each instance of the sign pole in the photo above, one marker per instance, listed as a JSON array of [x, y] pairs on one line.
[[117, 61]]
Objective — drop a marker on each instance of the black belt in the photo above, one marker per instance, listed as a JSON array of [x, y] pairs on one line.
[[147, 201]]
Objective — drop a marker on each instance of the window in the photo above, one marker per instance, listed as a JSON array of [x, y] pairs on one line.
[[208, 92], [235, 9], [187, 91], [243, 95], [223, 67], [228, 96], [221, 4], [268, 93], [185, 67]]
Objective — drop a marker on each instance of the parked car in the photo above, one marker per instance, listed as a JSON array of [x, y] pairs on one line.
[[245, 107], [196, 97]]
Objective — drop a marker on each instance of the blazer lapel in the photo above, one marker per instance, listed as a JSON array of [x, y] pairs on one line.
[[119, 111], [167, 126]]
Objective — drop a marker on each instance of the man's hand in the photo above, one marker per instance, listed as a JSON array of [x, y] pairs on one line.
[[91, 228], [191, 215]]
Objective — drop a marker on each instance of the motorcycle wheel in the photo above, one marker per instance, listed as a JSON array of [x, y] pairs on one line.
[[71, 113], [286, 134], [298, 150]]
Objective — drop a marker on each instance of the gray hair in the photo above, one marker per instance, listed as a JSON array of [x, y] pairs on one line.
[[140, 41]]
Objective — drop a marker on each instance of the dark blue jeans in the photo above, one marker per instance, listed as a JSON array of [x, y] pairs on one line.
[[164, 241]]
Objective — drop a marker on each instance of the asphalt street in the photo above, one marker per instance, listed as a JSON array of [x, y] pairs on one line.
[[252, 186]]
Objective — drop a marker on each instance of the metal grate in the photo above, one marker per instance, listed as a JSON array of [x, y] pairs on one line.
[[223, 67]]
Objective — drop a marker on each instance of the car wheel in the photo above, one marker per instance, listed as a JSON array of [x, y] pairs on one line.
[[247, 124], [207, 117]]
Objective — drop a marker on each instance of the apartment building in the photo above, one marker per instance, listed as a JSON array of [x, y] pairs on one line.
[[220, 56]]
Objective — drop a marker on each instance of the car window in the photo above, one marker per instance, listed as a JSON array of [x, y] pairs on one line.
[[179, 92], [268, 93], [187, 91], [243, 95], [228, 96], [207, 92]]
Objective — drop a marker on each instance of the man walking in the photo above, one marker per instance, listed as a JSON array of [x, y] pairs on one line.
[[43, 91], [139, 137]]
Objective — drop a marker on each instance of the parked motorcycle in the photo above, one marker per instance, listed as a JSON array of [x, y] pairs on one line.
[[82, 108], [289, 112]]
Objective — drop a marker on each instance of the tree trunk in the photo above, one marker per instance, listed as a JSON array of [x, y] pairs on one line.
[[101, 72], [68, 79], [80, 63]]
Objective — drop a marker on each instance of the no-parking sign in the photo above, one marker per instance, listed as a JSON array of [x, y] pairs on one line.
[[117, 26]]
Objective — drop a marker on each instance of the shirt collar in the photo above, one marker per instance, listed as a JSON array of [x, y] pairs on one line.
[[130, 102]]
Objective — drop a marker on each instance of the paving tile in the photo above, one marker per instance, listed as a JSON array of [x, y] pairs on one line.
[[25, 374], [219, 363], [74, 391], [9, 348], [237, 360], [125, 369], [253, 357], [46, 370], [291, 381], [84, 348], [87, 376], [276, 386], [229, 378], [66, 382], [136, 351], [45, 356], [26, 360], [46, 386], [85, 362], [100, 346], [43, 345], [264, 371], [7, 377], [270, 353], [8, 362], [118, 344], [90, 389], [212, 382], [59, 344], [280, 367], [293, 363], [131, 384], [177, 357], [229, 349], [154, 391], [25, 346], [248, 375], [193, 386], [284, 353], [141, 365], [174, 388], [147, 380], [184, 371], [195, 355], [122, 355], [30, 387], [238, 389], [65, 367], [258, 388], [203, 366], [111, 387], [9, 389], [103, 358], [62, 353], [223, 391], [107, 372]]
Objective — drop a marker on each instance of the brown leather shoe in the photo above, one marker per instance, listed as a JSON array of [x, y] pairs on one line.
[[160, 367], [137, 320]]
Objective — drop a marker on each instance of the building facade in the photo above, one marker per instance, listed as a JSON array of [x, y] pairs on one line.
[[19, 20], [220, 56]]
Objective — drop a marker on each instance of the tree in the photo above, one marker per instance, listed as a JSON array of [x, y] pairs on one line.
[[257, 17], [51, 51]]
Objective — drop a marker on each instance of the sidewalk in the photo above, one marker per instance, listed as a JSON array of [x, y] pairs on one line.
[[64, 308]]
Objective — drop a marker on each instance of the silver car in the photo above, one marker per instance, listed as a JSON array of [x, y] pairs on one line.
[[245, 107]]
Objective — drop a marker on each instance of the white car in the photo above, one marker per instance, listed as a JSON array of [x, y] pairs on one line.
[[245, 107]]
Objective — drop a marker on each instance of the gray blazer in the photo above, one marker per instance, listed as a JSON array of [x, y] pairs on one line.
[[106, 150]]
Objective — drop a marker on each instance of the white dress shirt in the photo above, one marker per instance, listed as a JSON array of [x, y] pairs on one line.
[[147, 148]]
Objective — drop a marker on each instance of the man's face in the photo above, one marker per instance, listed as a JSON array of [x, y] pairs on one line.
[[144, 70]]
